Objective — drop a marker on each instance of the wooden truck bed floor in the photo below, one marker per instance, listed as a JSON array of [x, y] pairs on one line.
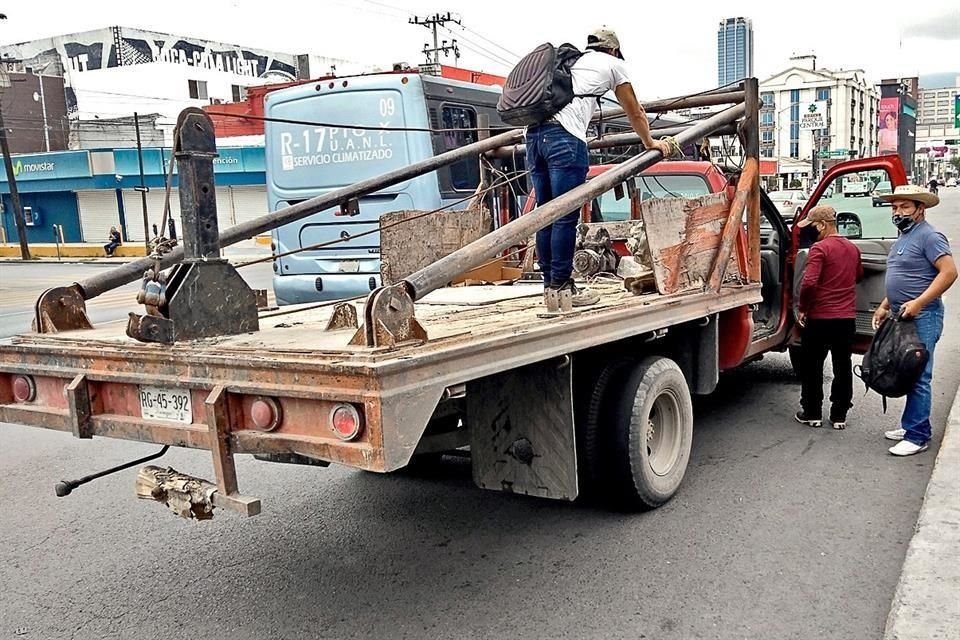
[[500, 321]]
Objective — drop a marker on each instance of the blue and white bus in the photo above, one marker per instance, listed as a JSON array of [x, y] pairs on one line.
[[304, 161]]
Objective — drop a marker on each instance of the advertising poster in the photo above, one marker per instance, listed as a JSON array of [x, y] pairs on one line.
[[888, 121]]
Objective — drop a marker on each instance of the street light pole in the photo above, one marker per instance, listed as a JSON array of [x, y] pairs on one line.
[[143, 188]]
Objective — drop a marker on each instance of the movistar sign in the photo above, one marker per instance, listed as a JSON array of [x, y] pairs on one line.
[[50, 166], [20, 167]]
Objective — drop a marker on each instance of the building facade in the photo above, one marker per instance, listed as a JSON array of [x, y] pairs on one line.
[[734, 50], [938, 132], [35, 112], [118, 71], [87, 192], [851, 104]]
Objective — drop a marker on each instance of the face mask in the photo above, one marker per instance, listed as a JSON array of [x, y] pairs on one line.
[[904, 223]]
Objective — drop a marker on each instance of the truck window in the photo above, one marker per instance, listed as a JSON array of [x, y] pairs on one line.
[[653, 186], [464, 175], [860, 193]]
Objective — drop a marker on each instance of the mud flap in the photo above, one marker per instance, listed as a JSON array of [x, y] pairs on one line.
[[522, 433]]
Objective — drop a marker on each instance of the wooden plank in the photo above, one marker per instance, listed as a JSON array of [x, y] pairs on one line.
[[684, 237], [410, 240]]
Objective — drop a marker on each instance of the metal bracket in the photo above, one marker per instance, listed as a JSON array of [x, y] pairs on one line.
[[204, 296], [350, 208], [388, 319], [78, 399], [344, 317], [218, 422], [61, 309]]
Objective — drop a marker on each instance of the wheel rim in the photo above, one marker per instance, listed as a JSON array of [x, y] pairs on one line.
[[663, 433]]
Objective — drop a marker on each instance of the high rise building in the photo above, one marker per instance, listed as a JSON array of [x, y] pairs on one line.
[[734, 50]]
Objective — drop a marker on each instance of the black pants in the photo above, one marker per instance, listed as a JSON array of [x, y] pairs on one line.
[[819, 337]]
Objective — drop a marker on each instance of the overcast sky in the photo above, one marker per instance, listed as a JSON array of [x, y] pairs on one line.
[[670, 46]]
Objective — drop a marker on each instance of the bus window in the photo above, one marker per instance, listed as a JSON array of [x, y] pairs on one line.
[[464, 175]]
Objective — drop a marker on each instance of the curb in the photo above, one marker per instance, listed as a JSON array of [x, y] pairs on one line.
[[926, 603]]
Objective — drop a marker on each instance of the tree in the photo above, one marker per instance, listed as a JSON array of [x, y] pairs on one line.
[[795, 184]]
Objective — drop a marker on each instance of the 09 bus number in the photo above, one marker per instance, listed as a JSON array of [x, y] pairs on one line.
[[387, 107]]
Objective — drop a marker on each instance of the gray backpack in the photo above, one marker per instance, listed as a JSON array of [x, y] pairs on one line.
[[539, 86]]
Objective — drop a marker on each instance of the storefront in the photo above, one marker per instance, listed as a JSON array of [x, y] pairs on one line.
[[87, 192]]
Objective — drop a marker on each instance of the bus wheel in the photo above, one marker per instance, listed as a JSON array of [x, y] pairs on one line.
[[652, 433]]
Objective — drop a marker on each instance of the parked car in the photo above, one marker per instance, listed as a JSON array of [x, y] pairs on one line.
[[882, 189], [789, 202], [951, 182]]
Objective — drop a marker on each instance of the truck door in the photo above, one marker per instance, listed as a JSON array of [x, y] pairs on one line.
[[863, 221]]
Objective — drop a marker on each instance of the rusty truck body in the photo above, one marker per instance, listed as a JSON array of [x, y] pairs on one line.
[[594, 402]]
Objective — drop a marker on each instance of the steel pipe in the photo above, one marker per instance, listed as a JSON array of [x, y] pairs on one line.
[[682, 102], [439, 273], [616, 140]]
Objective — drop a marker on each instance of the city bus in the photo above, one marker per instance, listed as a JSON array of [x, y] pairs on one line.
[[304, 160]]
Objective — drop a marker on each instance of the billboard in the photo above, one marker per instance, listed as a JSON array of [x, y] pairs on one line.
[[888, 120]]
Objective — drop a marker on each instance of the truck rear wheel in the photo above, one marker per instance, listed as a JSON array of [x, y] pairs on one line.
[[650, 416]]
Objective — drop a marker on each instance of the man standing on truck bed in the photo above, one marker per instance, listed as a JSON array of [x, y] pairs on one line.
[[557, 157], [827, 312], [920, 268]]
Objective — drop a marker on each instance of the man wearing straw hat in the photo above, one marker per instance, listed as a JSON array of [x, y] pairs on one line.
[[920, 268]]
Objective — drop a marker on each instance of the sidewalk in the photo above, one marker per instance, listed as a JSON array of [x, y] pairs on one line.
[[926, 604], [74, 253]]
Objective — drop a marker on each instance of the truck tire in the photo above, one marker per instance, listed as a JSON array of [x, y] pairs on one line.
[[650, 415]]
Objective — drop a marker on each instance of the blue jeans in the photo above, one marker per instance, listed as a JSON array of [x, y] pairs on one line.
[[558, 162], [916, 414]]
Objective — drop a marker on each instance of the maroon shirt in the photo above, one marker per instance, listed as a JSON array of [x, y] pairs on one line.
[[828, 289]]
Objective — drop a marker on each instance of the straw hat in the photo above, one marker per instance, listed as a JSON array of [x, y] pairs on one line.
[[915, 193]]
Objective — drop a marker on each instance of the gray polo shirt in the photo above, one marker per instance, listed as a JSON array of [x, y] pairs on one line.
[[910, 267]]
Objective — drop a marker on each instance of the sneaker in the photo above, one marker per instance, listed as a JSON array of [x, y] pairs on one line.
[[895, 434], [839, 424], [577, 297], [907, 448], [810, 421]]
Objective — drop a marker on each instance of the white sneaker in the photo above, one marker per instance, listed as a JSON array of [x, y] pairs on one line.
[[907, 448], [895, 434]]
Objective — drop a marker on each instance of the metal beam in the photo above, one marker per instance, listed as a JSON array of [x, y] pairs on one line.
[[617, 140], [516, 232], [682, 102]]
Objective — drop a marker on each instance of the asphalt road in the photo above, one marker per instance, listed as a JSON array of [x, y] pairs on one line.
[[779, 531]]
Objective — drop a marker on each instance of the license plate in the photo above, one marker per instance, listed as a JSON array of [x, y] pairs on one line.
[[157, 403], [350, 266]]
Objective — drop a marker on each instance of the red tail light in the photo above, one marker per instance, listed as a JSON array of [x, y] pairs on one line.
[[345, 422], [24, 389], [266, 413]]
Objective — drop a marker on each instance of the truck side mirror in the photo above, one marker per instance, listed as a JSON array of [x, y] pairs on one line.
[[849, 225]]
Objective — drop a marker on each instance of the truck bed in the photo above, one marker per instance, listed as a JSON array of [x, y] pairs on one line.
[[473, 332]]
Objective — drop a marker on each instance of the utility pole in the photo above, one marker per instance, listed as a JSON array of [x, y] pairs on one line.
[[433, 23], [19, 222], [142, 188]]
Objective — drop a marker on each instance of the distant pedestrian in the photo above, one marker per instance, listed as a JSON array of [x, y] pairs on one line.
[[115, 241], [827, 316], [920, 268]]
